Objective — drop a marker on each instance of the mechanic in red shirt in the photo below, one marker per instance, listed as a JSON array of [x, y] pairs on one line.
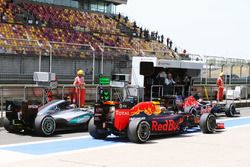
[[79, 83], [220, 86]]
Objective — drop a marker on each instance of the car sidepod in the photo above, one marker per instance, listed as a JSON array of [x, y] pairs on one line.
[[72, 117]]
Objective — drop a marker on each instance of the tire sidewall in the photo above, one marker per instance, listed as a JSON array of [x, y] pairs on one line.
[[210, 127], [45, 125], [7, 125], [207, 123], [139, 128], [134, 129], [230, 110]]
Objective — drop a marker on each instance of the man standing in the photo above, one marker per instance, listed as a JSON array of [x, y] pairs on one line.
[[220, 87], [169, 85], [80, 88]]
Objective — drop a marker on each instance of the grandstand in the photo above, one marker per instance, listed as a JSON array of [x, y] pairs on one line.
[[71, 31]]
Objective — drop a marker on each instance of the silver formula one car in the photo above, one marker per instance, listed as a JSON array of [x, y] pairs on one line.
[[44, 120]]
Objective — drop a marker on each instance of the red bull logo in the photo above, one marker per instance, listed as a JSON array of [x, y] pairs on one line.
[[148, 108], [169, 125]]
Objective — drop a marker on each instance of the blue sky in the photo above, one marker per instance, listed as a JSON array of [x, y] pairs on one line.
[[206, 27]]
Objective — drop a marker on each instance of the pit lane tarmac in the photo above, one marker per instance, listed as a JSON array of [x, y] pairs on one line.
[[230, 147]]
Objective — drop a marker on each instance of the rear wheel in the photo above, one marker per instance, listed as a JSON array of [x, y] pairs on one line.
[[95, 132], [45, 125], [9, 127], [207, 123], [138, 131], [230, 110]]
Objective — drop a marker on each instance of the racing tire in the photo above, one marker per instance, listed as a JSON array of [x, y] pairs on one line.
[[45, 125], [7, 125], [207, 123], [95, 132], [230, 110], [138, 131]]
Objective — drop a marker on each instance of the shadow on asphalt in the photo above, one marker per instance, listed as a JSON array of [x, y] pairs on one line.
[[58, 133]]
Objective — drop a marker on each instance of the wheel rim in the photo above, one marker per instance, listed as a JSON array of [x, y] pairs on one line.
[[211, 123], [48, 126], [143, 131]]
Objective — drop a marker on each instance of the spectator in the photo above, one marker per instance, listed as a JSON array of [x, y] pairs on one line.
[[141, 31], [175, 50], [119, 17], [169, 85], [186, 83], [162, 38], [170, 44], [161, 76], [184, 51], [152, 35], [126, 19], [134, 26]]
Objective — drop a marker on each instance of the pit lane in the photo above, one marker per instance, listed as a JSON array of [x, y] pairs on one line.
[[196, 146]]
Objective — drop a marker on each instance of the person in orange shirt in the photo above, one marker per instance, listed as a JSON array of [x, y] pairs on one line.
[[220, 86], [79, 83]]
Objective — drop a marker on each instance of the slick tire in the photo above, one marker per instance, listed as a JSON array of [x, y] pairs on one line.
[[230, 110], [95, 132], [207, 123], [138, 131], [45, 125], [8, 126]]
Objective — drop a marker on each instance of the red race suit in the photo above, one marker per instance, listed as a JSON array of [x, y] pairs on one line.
[[220, 85], [80, 90]]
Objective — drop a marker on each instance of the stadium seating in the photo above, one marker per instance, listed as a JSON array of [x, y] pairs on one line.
[[67, 31]]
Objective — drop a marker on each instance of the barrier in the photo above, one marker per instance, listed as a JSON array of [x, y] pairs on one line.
[[201, 90]]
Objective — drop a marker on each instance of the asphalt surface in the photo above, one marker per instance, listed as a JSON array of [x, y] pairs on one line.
[[230, 147]]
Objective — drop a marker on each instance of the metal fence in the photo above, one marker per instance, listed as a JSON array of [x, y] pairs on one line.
[[36, 93], [209, 92]]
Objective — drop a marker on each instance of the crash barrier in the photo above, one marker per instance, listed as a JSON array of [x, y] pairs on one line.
[[238, 94], [120, 93]]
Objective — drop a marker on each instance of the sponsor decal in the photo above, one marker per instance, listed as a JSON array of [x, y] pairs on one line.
[[121, 119], [81, 119], [148, 108], [137, 118], [168, 125]]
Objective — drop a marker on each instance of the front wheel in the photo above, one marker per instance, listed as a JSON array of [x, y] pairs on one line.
[[207, 123], [45, 125], [138, 131], [95, 132]]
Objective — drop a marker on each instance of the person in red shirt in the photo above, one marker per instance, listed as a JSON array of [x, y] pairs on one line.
[[220, 86], [79, 83]]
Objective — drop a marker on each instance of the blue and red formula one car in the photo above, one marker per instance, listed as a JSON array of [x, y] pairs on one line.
[[145, 119]]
